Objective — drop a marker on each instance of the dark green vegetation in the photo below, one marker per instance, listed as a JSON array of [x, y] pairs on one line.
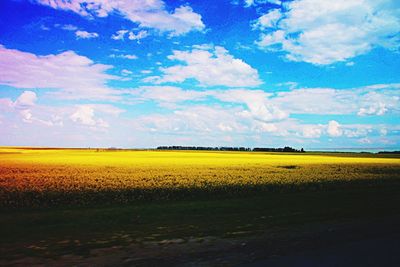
[[226, 148], [50, 233]]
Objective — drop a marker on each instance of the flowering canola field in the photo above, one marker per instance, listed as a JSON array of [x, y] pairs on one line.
[[45, 177]]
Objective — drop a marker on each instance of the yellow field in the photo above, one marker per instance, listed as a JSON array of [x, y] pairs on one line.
[[63, 170]]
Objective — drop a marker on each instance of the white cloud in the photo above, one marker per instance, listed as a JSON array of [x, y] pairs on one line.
[[168, 94], [148, 14], [119, 35], [357, 130], [365, 140], [26, 100], [196, 120], [146, 71], [334, 129], [259, 112], [26, 115], [378, 104], [249, 3], [264, 127], [106, 109], [214, 121], [24, 103], [373, 109], [383, 131], [85, 114], [369, 100], [268, 107], [26, 109], [126, 72], [209, 67], [268, 20], [86, 35], [323, 32], [77, 76], [189, 116], [129, 56], [126, 56], [44, 28], [312, 131], [257, 102], [272, 40], [317, 101], [137, 36], [67, 27]]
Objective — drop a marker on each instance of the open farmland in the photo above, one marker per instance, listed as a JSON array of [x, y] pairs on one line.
[[34, 177], [63, 207]]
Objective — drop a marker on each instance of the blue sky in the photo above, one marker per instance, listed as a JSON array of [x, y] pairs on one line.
[[100, 73]]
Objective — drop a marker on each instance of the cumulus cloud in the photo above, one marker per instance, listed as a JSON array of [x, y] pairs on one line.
[[24, 103], [147, 14], [334, 129], [324, 32], [76, 76], [86, 115], [210, 67], [86, 35], [26, 99], [24, 108], [376, 103], [358, 130]]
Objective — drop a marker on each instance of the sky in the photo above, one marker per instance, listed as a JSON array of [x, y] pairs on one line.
[[254, 73]]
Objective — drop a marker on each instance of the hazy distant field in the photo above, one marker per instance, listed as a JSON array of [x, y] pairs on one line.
[[79, 177]]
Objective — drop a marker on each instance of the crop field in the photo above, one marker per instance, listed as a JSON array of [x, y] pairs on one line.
[[51, 177], [65, 207]]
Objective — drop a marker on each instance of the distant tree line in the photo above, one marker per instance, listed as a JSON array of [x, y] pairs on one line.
[[227, 148], [285, 149], [389, 152]]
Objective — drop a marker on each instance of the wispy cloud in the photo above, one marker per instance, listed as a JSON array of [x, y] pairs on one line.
[[86, 35], [148, 14]]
